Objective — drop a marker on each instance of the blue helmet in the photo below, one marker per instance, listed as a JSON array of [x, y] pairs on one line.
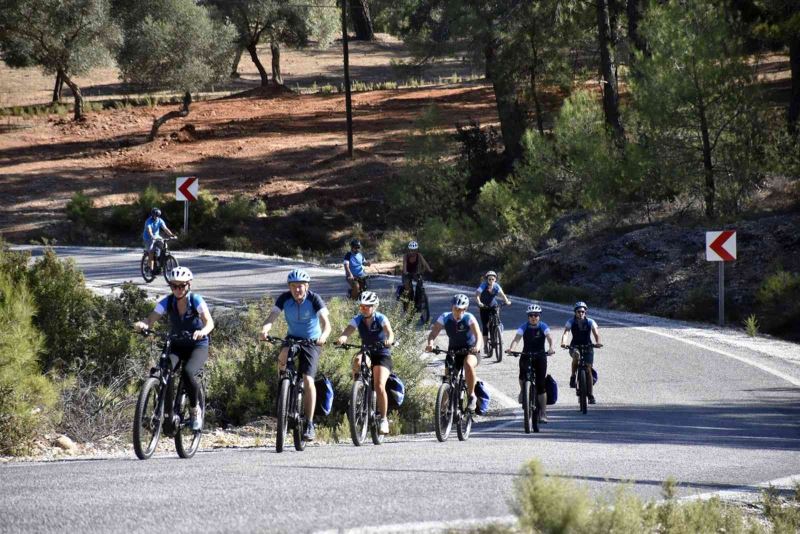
[[298, 275], [580, 304]]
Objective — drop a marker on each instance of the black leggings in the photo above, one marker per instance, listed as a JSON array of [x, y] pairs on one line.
[[193, 360], [486, 313], [539, 367]]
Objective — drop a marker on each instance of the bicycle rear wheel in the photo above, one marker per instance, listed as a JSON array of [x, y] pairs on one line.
[[464, 426], [147, 274], [443, 421], [357, 414], [147, 419], [282, 416], [497, 343], [425, 310], [374, 424], [299, 426], [187, 441], [169, 263], [582, 390]]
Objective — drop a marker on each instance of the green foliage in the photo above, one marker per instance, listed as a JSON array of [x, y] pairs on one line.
[[751, 325], [785, 517], [240, 208], [393, 244], [80, 209], [778, 302], [561, 293], [627, 296]]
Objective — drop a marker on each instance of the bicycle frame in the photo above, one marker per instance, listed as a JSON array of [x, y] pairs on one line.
[[169, 394]]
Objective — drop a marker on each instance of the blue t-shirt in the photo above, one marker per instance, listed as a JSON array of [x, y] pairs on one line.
[[533, 337], [459, 332], [487, 296], [155, 225], [581, 331], [356, 261], [303, 318], [190, 322], [373, 333]]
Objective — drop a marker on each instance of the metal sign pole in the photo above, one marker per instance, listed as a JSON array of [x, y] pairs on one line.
[[185, 216], [721, 293]]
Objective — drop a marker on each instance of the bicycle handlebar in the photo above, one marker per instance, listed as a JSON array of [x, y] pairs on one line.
[[594, 345], [518, 354], [303, 342], [437, 350], [185, 335]]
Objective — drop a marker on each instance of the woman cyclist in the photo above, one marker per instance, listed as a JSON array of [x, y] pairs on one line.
[[373, 328], [486, 296], [581, 328], [413, 264], [534, 333], [187, 312]]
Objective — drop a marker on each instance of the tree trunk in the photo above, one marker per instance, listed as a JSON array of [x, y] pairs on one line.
[[512, 111], [534, 84], [793, 113], [251, 48], [362, 21], [236, 59], [635, 9], [610, 89], [184, 111], [76, 93], [58, 88], [708, 166], [275, 48]]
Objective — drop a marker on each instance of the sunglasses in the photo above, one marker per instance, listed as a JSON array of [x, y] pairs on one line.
[[365, 306], [534, 315], [580, 311], [178, 286]]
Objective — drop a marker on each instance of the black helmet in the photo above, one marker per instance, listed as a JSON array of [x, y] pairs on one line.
[[355, 243], [155, 212]]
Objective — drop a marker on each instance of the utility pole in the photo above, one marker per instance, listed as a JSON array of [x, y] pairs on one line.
[[347, 101]]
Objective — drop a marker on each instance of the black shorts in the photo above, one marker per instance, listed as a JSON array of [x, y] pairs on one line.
[[459, 361], [588, 354], [307, 358], [382, 358]]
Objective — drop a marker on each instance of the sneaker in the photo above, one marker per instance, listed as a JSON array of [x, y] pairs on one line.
[[543, 419], [197, 418], [310, 432], [572, 382], [591, 399], [473, 403], [384, 425]]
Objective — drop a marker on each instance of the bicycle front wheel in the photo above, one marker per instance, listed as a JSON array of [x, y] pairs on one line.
[[425, 310], [169, 263], [527, 407], [147, 419], [147, 274], [282, 416], [443, 422], [357, 413], [297, 431], [464, 426], [498, 343], [582, 390], [374, 421], [187, 441]]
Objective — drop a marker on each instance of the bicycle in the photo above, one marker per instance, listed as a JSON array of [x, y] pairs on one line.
[[291, 410], [156, 396], [494, 334], [421, 300], [582, 375], [358, 287], [163, 261], [530, 401], [452, 407], [362, 413]]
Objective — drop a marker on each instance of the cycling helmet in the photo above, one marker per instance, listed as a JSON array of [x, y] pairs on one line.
[[155, 212], [534, 308], [298, 275], [413, 245], [355, 243], [461, 301], [490, 273], [580, 304], [368, 298], [180, 274]]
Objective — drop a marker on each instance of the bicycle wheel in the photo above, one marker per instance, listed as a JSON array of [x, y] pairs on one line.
[[169, 263], [527, 409], [283, 416], [357, 413], [147, 274], [374, 430], [497, 343], [187, 441], [443, 422], [425, 310], [464, 426], [534, 399], [299, 426], [582, 389], [147, 420]]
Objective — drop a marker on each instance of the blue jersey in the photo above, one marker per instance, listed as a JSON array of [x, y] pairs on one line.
[[459, 332], [356, 261], [155, 225], [374, 332], [581, 331], [302, 319], [190, 321], [533, 336], [487, 296]]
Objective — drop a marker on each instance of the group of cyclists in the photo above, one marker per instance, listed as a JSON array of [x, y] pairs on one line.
[[307, 319]]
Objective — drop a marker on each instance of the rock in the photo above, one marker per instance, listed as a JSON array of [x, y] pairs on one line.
[[64, 443]]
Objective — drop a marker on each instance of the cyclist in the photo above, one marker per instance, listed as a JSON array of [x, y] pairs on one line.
[[373, 328], [187, 312], [152, 230], [354, 264], [486, 296], [462, 329], [413, 263], [582, 329], [307, 319], [534, 333]]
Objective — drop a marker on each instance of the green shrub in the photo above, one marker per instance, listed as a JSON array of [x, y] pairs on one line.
[[751, 325], [393, 244], [80, 209], [778, 302], [564, 294], [238, 243], [627, 296], [240, 208]]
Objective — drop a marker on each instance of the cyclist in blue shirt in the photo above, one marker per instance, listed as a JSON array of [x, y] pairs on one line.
[[187, 312], [354, 264], [306, 319], [534, 333], [582, 328], [373, 328], [152, 229], [486, 296], [463, 332]]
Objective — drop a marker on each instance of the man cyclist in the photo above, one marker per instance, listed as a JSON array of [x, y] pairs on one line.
[[463, 333], [354, 264], [534, 333], [486, 296], [307, 320], [187, 312], [582, 328], [374, 328], [152, 232], [413, 263]]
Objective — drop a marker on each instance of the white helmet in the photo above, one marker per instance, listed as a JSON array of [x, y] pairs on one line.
[[490, 273], [461, 301], [413, 245], [179, 274], [368, 298], [534, 308]]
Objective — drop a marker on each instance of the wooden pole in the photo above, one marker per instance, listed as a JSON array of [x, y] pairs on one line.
[[347, 101]]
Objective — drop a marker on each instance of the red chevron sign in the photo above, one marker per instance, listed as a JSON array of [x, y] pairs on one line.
[[721, 246], [186, 188]]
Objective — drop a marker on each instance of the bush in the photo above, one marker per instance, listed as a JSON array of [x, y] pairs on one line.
[[80, 209], [393, 244], [561, 293], [778, 302]]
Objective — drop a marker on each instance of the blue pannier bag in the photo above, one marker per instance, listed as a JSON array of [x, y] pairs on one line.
[[396, 390], [594, 376], [551, 388], [482, 407], [324, 394]]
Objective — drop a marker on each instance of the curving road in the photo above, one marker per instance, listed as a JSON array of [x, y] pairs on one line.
[[712, 408]]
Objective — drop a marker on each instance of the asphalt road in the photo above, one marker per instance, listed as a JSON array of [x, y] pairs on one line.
[[699, 405]]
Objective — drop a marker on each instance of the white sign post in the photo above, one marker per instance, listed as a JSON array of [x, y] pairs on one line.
[[721, 247], [186, 189]]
